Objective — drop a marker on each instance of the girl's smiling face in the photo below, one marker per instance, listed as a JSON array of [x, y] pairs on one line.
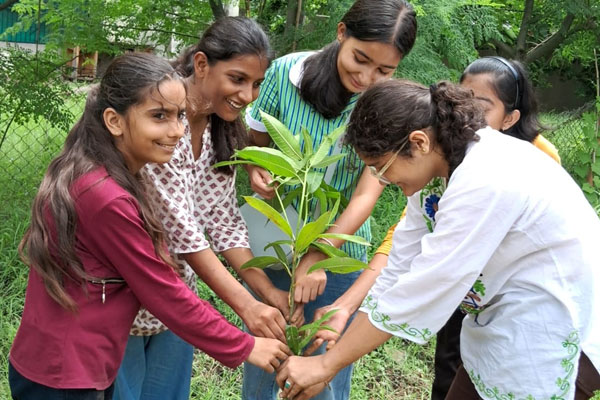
[[149, 130], [361, 63], [226, 87]]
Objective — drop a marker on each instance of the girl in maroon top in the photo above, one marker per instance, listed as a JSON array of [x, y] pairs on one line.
[[96, 251]]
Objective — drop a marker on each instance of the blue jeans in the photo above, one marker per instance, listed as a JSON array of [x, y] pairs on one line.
[[261, 385], [22, 388], [156, 367]]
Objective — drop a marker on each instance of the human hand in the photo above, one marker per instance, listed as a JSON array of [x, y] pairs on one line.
[[309, 286], [265, 321], [279, 299], [303, 377], [337, 321], [268, 354], [260, 181]]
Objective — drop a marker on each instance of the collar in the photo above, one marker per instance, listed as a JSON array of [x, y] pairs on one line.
[[297, 70]]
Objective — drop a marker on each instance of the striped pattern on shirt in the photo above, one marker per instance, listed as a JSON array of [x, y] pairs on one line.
[[279, 96]]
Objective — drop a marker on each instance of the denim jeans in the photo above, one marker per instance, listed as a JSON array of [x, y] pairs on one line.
[[156, 367], [22, 388], [261, 385]]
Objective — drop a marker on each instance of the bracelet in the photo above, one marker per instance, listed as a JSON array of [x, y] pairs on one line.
[[329, 242]]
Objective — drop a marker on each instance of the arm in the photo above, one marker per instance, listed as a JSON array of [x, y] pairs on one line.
[[262, 319], [368, 190], [258, 281], [409, 230]]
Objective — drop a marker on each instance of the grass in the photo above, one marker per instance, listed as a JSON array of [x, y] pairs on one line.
[[396, 370]]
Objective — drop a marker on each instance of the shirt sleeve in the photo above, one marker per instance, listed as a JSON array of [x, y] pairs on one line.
[[169, 191], [386, 244], [267, 101], [547, 147], [124, 244], [415, 298], [226, 226]]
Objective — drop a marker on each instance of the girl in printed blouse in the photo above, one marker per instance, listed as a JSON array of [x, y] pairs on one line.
[[197, 206]]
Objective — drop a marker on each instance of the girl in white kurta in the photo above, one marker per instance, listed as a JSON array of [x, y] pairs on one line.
[[513, 233]]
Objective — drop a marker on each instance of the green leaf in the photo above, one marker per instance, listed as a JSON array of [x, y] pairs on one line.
[[328, 160], [320, 196], [322, 152], [308, 143], [348, 238], [281, 254], [310, 232], [310, 330], [281, 136], [260, 262], [270, 159], [339, 265], [293, 339], [313, 181], [291, 196], [335, 208], [336, 133], [232, 162], [329, 250], [270, 213]]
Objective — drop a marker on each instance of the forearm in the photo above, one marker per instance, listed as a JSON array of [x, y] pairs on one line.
[[359, 208], [259, 138], [354, 296], [256, 278], [210, 269], [360, 338]]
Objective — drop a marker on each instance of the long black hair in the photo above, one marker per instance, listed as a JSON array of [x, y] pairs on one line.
[[385, 21], [511, 84], [389, 111], [50, 248], [226, 38]]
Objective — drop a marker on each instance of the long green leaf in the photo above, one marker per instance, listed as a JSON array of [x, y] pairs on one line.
[[328, 160], [320, 196], [270, 213], [310, 232], [270, 159], [348, 238], [336, 133], [321, 152], [293, 339], [260, 262], [313, 181], [232, 162], [339, 265], [329, 250], [308, 142], [281, 136]]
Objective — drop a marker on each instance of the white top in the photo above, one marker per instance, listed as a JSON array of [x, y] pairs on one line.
[[514, 232], [193, 201]]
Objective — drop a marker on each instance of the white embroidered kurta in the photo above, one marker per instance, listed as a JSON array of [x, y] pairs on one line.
[[192, 200], [514, 232]]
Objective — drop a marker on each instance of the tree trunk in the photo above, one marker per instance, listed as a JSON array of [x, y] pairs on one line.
[[521, 48], [244, 8], [217, 8], [290, 19], [548, 45]]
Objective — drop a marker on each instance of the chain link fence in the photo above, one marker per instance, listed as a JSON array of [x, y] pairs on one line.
[[566, 131]]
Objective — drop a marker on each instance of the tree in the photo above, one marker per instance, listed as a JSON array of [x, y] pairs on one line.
[[549, 30]]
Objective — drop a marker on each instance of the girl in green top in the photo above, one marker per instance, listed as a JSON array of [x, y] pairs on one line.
[[318, 90]]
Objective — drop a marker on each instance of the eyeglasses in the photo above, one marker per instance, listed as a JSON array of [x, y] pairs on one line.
[[379, 174]]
